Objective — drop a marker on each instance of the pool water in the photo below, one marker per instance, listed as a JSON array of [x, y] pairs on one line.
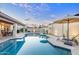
[[10, 47], [40, 46], [32, 45]]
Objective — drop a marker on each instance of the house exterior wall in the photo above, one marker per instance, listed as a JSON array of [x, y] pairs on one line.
[[5, 28], [73, 29], [50, 29], [8, 25]]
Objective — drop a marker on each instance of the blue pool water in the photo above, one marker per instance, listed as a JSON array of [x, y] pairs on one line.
[[31, 46], [10, 47], [40, 46]]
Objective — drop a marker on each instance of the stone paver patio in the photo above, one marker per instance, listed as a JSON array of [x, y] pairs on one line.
[[74, 49]]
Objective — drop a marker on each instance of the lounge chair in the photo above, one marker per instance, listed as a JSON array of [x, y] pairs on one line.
[[68, 43]]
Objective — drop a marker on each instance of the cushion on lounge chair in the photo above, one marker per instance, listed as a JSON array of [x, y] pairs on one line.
[[68, 43]]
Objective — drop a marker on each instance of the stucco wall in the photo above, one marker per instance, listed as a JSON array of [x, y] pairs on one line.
[[73, 29]]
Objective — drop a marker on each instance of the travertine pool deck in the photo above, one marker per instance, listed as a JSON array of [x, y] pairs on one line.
[[19, 35], [53, 40]]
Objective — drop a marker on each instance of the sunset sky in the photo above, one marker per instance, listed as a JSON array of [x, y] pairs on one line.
[[39, 13]]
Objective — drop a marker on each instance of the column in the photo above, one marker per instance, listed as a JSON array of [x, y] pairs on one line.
[[24, 29], [24, 33], [14, 30], [0, 31]]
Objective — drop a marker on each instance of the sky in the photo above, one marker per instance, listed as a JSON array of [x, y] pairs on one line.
[[39, 13]]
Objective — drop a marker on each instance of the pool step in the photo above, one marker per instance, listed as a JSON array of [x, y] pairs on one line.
[[4, 46], [12, 48], [16, 49], [6, 49]]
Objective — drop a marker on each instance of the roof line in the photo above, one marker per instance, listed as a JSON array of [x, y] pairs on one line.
[[3, 15]]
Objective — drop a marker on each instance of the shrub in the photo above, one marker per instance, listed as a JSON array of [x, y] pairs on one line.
[[18, 31], [21, 30]]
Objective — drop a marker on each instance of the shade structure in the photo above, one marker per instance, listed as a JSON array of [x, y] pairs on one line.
[[65, 20], [68, 20]]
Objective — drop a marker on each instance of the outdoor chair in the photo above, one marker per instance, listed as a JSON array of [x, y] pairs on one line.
[[67, 42], [75, 40]]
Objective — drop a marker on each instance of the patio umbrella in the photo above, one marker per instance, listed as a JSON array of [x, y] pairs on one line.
[[68, 20]]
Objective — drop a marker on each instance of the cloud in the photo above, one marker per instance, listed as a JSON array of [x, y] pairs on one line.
[[34, 9], [34, 12], [35, 21]]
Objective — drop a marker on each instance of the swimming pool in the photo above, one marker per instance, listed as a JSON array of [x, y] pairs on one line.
[[33, 45], [37, 46]]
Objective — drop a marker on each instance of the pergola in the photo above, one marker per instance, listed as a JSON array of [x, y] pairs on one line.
[[67, 21]]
